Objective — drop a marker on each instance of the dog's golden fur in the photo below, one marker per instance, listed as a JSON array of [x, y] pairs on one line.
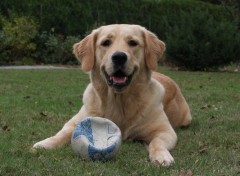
[[146, 105]]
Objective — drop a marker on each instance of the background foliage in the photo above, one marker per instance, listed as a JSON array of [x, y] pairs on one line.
[[17, 36], [199, 35]]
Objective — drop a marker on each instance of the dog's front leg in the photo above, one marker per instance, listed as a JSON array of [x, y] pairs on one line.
[[160, 146], [64, 135]]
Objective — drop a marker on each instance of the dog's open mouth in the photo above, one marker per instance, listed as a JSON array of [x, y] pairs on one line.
[[118, 80]]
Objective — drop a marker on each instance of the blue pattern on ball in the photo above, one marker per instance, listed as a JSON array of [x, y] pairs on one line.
[[84, 128], [101, 154]]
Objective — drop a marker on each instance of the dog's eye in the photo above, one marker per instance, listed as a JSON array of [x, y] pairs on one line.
[[132, 43], [106, 43]]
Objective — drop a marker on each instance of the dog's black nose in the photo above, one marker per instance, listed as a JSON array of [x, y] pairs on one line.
[[119, 58]]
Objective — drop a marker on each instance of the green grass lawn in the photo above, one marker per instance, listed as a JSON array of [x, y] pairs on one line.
[[34, 104]]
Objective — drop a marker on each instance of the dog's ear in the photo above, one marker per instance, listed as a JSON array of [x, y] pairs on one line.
[[85, 51], [154, 49]]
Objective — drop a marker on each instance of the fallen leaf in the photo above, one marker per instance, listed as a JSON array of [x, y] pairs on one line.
[[201, 144], [5, 128], [202, 147], [182, 172], [205, 106], [189, 172], [70, 103], [27, 97], [212, 117], [43, 114], [203, 150]]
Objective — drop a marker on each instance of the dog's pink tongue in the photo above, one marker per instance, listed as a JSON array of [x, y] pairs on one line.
[[119, 80]]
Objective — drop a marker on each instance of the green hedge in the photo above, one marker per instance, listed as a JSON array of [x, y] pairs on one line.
[[17, 38], [22, 43], [199, 35], [55, 48]]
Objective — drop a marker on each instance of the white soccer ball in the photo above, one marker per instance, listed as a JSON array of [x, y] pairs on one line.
[[96, 138]]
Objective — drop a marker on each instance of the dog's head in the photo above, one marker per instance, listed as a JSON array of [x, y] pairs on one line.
[[120, 53]]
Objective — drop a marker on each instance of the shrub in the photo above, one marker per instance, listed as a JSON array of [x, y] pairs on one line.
[[55, 49], [3, 52], [68, 57], [201, 42], [17, 39], [199, 36]]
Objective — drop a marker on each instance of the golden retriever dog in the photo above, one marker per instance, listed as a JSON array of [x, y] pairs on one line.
[[124, 88]]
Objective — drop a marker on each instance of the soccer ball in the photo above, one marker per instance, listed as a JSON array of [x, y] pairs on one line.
[[96, 138]]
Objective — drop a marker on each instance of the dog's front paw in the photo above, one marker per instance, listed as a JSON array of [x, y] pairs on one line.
[[161, 157], [45, 144]]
